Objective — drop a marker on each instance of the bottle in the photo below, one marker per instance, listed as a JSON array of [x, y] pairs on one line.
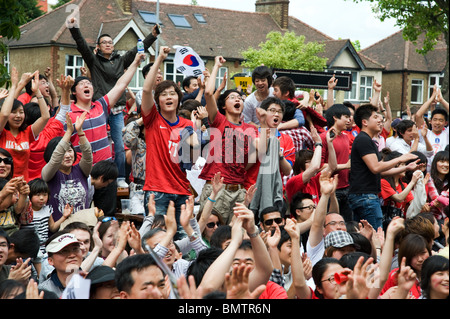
[[140, 47]]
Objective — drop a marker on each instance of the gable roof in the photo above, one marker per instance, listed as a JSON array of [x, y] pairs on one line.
[[397, 54]]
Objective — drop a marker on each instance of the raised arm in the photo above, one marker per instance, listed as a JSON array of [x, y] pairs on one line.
[[314, 166], [376, 93], [86, 150], [387, 105], [5, 110], [116, 92], [330, 91], [64, 83], [211, 105], [40, 123], [150, 81], [377, 167], [425, 106]]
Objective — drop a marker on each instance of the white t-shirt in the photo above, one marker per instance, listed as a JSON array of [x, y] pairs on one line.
[[438, 141], [250, 105]]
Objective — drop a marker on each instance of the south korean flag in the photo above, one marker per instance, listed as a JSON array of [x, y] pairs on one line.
[[188, 62]]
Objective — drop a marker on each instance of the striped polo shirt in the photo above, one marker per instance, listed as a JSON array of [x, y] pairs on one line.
[[95, 128]]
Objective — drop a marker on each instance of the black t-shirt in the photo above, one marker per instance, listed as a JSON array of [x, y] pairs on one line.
[[362, 180]]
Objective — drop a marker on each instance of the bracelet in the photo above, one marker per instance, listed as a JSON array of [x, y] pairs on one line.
[[39, 97], [80, 135], [318, 144], [255, 234], [212, 200]]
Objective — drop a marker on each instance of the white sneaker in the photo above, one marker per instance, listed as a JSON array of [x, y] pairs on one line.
[[122, 184]]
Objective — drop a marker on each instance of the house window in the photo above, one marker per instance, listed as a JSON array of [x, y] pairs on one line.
[[137, 82], [148, 17], [6, 62], [170, 73], [417, 91], [179, 21], [219, 77], [73, 65], [365, 88], [432, 80], [200, 18], [351, 95]]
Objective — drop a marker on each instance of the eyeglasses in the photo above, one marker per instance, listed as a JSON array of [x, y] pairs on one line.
[[310, 207], [330, 280], [107, 219], [275, 111], [334, 223], [82, 83], [234, 97], [269, 222], [212, 224], [171, 93], [69, 250], [6, 160], [106, 42]]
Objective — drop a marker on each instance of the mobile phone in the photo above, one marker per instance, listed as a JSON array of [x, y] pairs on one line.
[[158, 29], [332, 134], [316, 95]]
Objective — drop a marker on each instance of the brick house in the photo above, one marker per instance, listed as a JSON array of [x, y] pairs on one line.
[[46, 41]]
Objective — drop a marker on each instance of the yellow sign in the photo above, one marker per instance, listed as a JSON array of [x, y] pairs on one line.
[[243, 81]]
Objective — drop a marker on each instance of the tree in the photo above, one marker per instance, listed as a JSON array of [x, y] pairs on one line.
[[287, 51], [59, 3], [427, 19]]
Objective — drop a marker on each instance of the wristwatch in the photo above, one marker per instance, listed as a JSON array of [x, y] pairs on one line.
[[193, 236], [318, 144], [256, 233]]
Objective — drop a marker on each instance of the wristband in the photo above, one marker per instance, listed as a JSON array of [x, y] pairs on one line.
[[212, 200], [255, 234], [318, 144]]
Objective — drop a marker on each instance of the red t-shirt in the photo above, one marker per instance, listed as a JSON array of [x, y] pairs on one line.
[[341, 146], [273, 291], [295, 184], [36, 162], [387, 191], [25, 98], [163, 172], [288, 149], [416, 291], [19, 147], [228, 152]]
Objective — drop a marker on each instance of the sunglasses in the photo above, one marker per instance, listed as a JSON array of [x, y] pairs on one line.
[[107, 219], [212, 224], [6, 160], [269, 222]]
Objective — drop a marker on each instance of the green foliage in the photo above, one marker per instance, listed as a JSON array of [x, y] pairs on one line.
[[287, 51], [415, 18], [59, 3]]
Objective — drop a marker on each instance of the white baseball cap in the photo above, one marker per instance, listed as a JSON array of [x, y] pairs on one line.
[[60, 242]]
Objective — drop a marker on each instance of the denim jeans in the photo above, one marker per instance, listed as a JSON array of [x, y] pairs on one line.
[[162, 202], [344, 207], [116, 124], [366, 206]]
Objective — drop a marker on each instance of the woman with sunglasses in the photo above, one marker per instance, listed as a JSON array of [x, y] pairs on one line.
[[15, 135], [6, 164]]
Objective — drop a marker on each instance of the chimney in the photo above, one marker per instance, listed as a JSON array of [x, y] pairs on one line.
[[278, 9], [125, 5]]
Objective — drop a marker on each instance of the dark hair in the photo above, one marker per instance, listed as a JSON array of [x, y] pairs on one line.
[[296, 200], [439, 111], [10, 286], [300, 159], [106, 169], [51, 146], [29, 84], [403, 126], [201, 264], [38, 186], [4, 234], [440, 156], [262, 72], [32, 112], [187, 81], [286, 85], [430, 266], [80, 226], [146, 69], [220, 235], [102, 36], [422, 160], [149, 234], [285, 237], [362, 244], [270, 209], [364, 112], [8, 154], [190, 105], [77, 80], [336, 110], [412, 245], [349, 260], [272, 100], [26, 242], [388, 155], [289, 110], [223, 97], [123, 278], [164, 85], [15, 106], [349, 105], [319, 269]]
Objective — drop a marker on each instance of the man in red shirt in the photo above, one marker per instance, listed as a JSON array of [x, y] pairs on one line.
[[165, 133], [338, 118]]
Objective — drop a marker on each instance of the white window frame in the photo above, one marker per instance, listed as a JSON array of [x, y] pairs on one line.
[[420, 86], [6, 61], [438, 78], [219, 77], [75, 68], [175, 76], [368, 89], [354, 91]]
